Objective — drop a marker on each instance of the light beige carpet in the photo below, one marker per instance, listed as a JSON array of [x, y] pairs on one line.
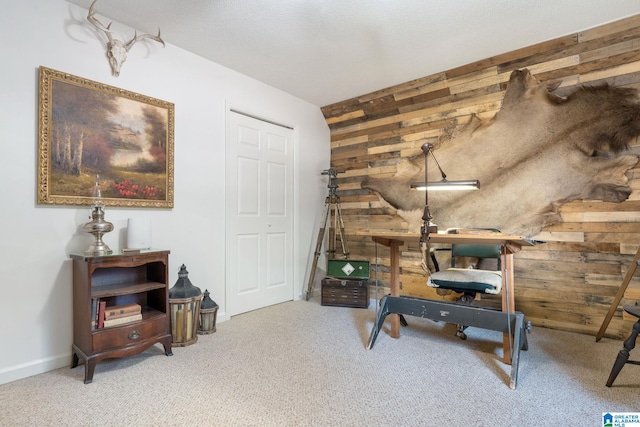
[[303, 364]]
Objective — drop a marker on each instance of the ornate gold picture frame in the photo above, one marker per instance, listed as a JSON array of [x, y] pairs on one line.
[[88, 129]]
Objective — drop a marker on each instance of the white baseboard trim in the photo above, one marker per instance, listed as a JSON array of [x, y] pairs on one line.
[[222, 317], [18, 372]]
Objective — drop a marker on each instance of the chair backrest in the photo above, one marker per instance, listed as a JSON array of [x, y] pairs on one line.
[[475, 251]]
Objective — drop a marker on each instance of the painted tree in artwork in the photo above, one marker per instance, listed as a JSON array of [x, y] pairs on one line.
[[77, 136], [156, 130]]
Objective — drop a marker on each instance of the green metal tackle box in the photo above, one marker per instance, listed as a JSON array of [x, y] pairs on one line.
[[348, 269]]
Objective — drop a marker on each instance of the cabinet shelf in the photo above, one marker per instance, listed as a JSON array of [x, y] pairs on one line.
[[124, 289]]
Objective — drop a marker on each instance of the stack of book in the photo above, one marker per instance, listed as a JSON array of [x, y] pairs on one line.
[[118, 314]]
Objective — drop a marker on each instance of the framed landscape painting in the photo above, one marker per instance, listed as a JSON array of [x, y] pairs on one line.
[[89, 129]]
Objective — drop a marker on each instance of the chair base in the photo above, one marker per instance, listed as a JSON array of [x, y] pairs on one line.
[[450, 312], [466, 298]]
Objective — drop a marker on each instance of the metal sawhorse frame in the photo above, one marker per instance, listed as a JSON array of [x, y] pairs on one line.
[[450, 312]]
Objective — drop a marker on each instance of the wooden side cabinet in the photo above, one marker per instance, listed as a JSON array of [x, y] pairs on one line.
[[140, 278]]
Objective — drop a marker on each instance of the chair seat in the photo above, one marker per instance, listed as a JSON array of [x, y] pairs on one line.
[[467, 279], [633, 310]]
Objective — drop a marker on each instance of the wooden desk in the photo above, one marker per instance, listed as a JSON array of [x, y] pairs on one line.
[[510, 245]]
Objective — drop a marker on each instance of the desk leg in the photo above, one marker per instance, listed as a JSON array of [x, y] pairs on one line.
[[508, 300], [394, 318], [619, 295]]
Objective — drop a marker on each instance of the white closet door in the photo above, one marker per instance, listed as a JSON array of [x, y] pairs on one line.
[[259, 214]]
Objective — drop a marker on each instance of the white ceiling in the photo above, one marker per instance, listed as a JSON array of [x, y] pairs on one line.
[[326, 51]]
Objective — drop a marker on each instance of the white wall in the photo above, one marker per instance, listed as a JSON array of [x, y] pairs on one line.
[[35, 270]]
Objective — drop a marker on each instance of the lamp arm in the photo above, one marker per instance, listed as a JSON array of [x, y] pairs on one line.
[[444, 176], [427, 227], [426, 215], [427, 148]]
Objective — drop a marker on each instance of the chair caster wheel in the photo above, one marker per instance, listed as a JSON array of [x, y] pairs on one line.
[[461, 335]]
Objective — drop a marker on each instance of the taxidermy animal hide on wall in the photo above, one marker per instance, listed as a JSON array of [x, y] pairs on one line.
[[540, 151]]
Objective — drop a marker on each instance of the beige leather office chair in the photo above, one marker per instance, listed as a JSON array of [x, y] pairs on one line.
[[469, 280]]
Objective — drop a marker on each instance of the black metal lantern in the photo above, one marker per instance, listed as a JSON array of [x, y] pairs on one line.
[[184, 302], [208, 313]]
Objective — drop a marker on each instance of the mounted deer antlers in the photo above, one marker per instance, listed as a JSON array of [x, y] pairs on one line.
[[117, 49]]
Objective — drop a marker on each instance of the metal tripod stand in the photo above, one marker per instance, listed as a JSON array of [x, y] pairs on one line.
[[332, 201]]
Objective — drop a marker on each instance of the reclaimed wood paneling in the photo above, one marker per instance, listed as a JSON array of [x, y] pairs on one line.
[[567, 283]]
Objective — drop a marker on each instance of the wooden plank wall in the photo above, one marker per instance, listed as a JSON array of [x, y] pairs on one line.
[[569, 282]]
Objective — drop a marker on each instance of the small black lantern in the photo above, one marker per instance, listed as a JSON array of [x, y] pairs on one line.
[[208, 313], [184, 302]]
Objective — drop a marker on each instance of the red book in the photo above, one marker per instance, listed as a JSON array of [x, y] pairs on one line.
[[101, 308]]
